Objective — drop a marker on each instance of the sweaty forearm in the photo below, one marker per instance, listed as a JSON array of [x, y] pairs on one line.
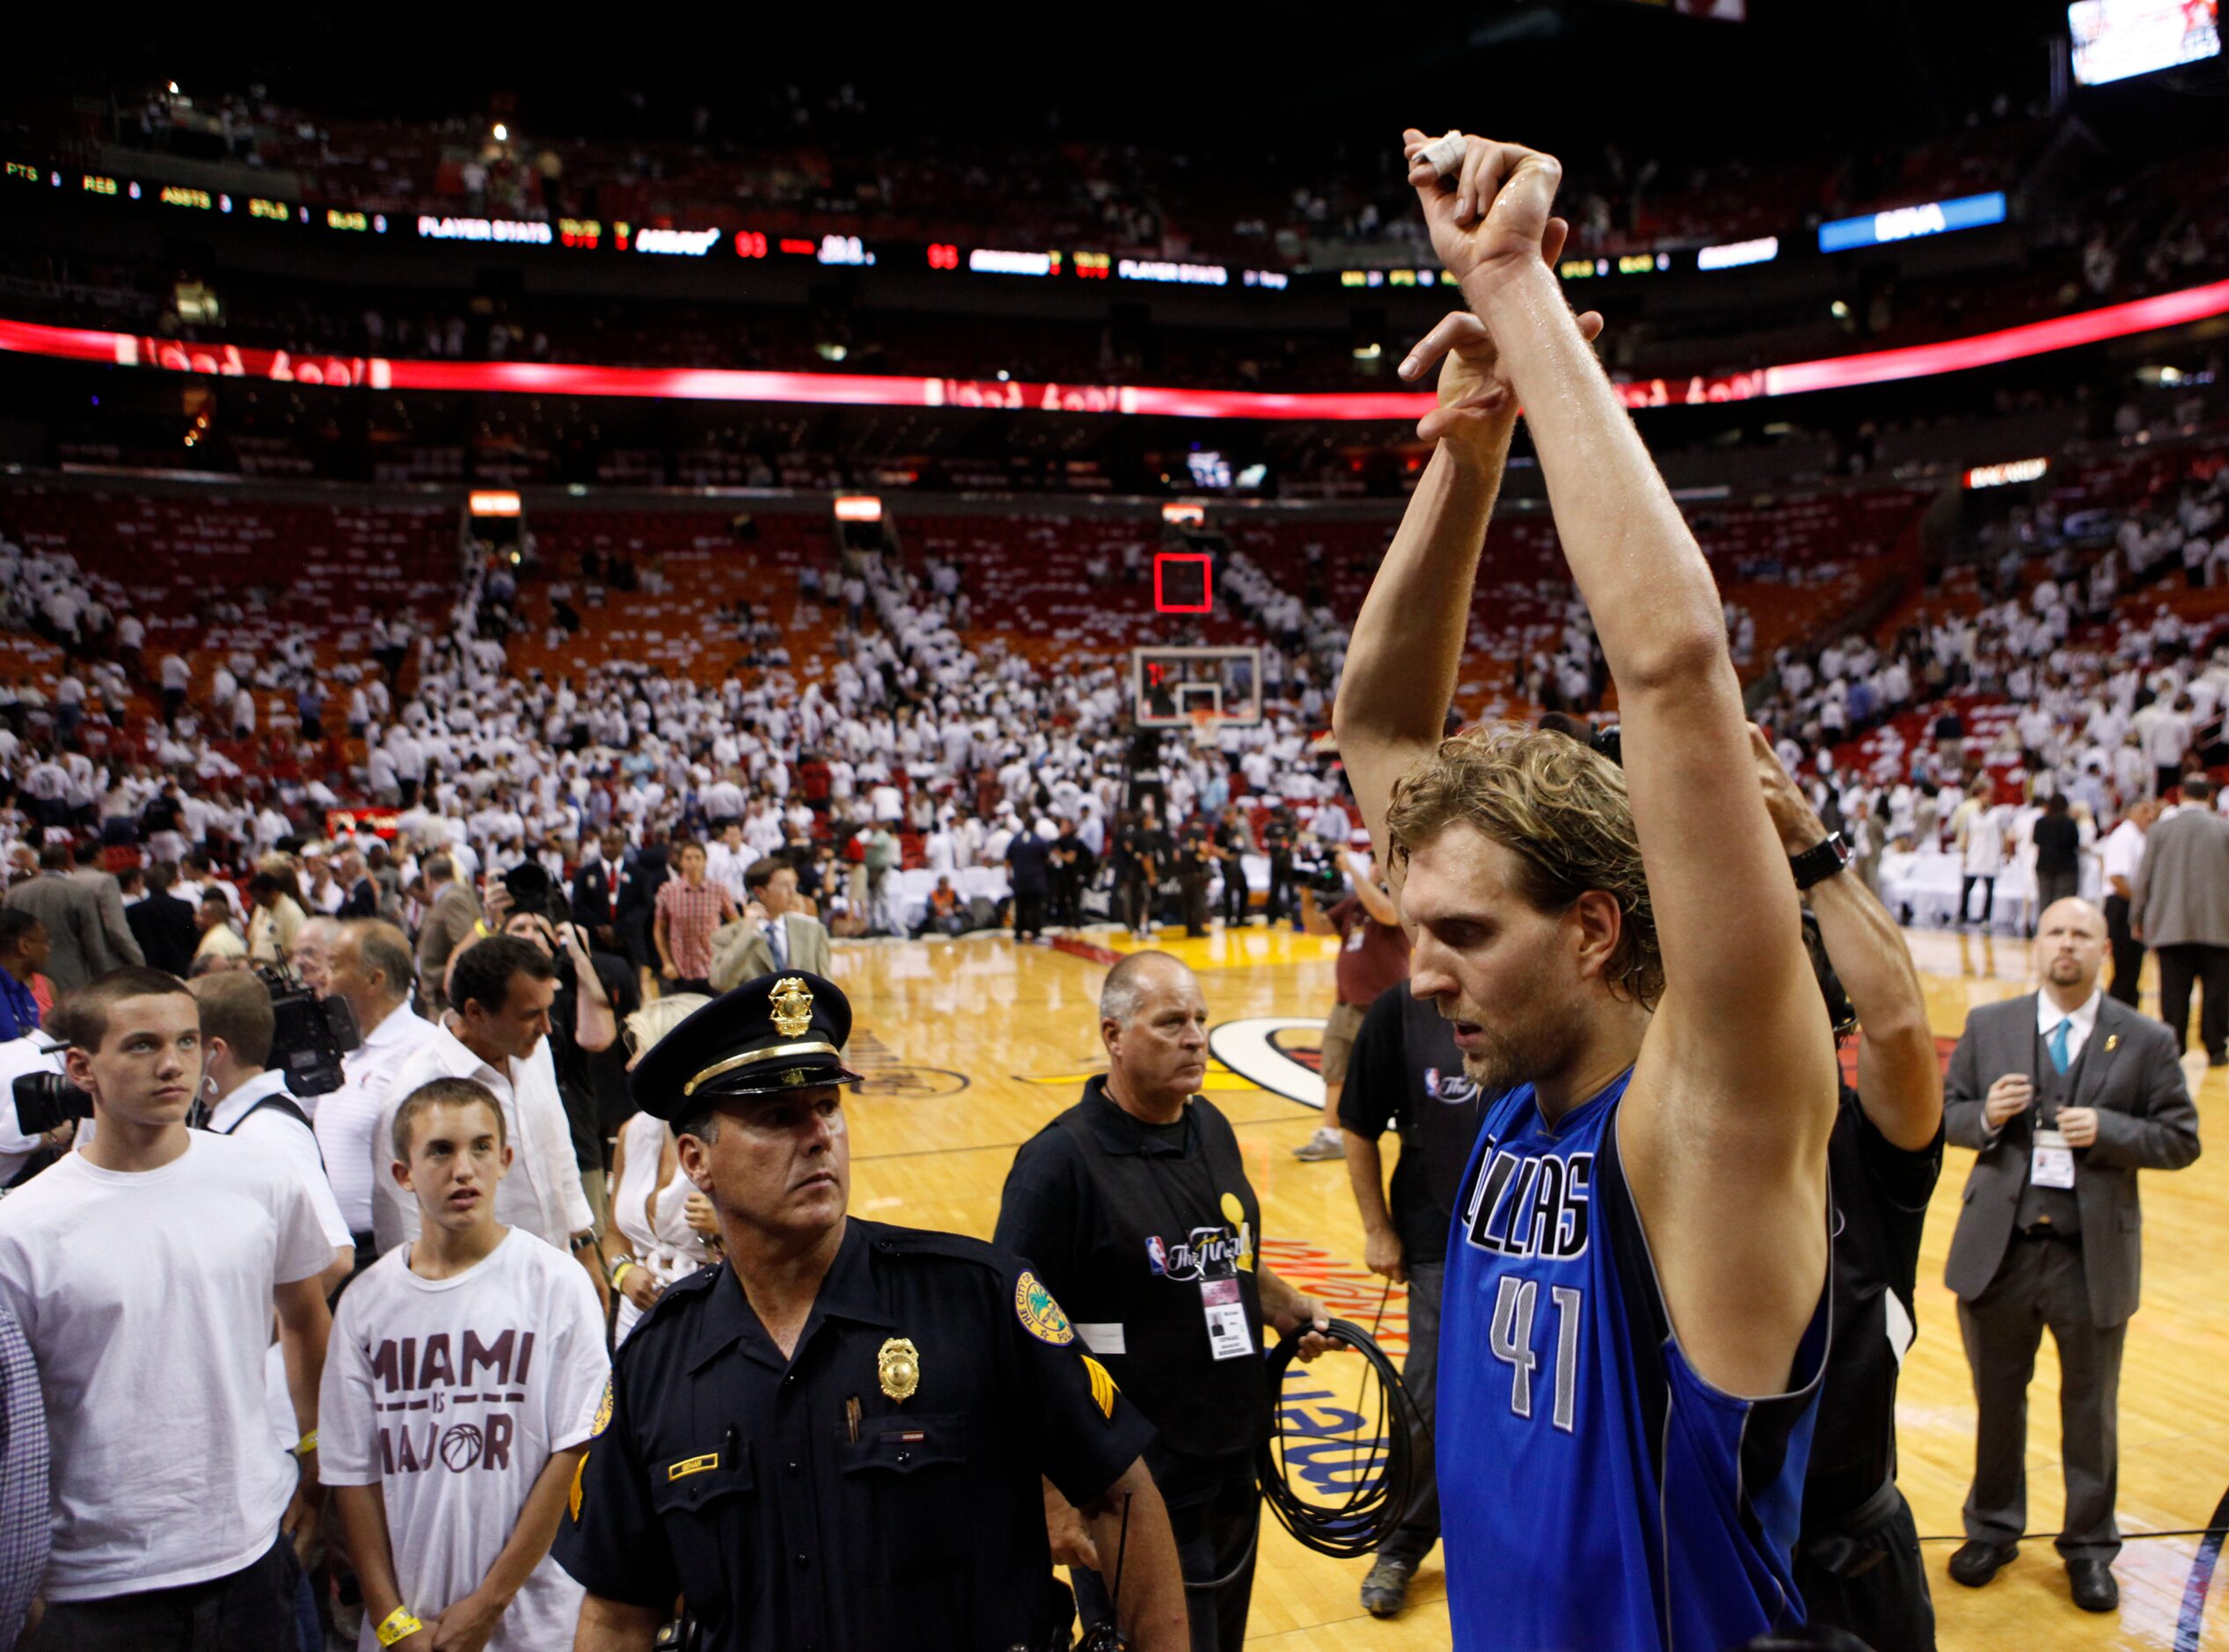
[[1655, 604], [1899, 1075]]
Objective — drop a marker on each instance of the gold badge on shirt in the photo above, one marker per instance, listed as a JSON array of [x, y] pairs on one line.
[[792, 1004], [898, 1367]]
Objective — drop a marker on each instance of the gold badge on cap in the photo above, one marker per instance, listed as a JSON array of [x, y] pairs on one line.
[[898, 1366], [793, 1004]]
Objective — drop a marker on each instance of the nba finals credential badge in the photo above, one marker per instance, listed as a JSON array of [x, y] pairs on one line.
[[898, 1365]]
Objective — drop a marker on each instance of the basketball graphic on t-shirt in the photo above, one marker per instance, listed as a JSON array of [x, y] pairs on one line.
[[460, 1447]]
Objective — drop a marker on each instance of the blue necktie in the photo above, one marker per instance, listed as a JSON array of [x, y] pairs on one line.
[[778, 944], [2058, 1044]]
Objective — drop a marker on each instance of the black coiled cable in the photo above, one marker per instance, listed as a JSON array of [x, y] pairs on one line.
[[1385, 1474]]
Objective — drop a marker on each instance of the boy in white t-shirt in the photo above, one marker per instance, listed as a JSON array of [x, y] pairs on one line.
[[143, 1269], [467, 1367]]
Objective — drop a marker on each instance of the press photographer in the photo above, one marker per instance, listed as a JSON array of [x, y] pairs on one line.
[[243, 1094]]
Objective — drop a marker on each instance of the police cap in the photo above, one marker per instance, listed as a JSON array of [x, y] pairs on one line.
[[779, 1032]]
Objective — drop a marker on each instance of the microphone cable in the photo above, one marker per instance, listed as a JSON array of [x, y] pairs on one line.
[[1375, 1456]]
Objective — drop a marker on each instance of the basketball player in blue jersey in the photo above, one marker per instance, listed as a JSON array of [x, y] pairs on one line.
[[1635, 1310]]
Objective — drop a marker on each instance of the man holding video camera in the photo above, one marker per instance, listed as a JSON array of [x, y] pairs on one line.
[[242, 1095], [172, 1503]]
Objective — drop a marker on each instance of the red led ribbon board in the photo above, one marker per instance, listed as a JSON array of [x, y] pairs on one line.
[[1162, 600], [553, 378]]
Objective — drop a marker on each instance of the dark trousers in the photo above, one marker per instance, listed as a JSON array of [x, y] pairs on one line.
[[1284, 896], [1029, 913], [1420, 1528], [1864, 1574], [252, 1610], [1131, 897], [1214, 1512], [2128, 951], [1193, 883], [2055, 885], [2039, 1284], [1068, 888], [1966, 895], [2179, 966], [1236, 893]]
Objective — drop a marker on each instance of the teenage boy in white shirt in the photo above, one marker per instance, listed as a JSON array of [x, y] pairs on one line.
[[143, 1270], [467, 1368]]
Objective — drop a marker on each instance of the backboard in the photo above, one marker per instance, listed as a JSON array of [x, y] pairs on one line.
[[1167, 685]]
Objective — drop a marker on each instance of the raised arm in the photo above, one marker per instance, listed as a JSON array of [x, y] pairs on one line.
[[1734, 1088], [1899, 1074], [1407, 644]]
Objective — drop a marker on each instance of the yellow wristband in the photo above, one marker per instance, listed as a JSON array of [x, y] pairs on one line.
[[398, 1625], [620, 1273], [306, 1444]]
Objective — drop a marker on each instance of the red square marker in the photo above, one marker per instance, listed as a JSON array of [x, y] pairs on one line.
[[1182, 582]]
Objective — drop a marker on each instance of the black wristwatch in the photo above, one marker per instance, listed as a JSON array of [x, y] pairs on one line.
[[1821, 861]]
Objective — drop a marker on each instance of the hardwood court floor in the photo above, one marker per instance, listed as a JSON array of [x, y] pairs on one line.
[[969, 1046]]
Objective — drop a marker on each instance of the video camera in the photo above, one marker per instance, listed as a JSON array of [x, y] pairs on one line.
[[46, 1100], [311, 1036]]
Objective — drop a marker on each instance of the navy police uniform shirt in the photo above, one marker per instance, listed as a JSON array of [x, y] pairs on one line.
[[880, 1489]]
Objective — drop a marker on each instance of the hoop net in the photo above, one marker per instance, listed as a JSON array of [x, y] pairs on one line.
[[1207, 725]]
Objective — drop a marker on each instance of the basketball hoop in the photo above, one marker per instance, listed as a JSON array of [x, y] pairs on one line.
[[1207, 726]]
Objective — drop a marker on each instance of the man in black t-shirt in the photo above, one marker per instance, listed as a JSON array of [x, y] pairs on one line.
[[1857, 1558], [1134, 1209], [2058, 855], [1405, 1073]]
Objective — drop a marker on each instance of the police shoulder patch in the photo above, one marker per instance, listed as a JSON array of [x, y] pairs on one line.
[[603, 1412], [1038, 1313]]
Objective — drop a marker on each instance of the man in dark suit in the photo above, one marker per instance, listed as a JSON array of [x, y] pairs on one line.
[[600, 890], [2179, 907], [163, 925], [2065, 1093]]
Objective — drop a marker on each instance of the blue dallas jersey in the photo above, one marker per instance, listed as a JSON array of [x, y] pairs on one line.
[[1595, 1494]]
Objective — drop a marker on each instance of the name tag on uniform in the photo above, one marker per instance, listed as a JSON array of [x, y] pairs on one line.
[[1229, 1335], [1354, 939], [2053, 1164]]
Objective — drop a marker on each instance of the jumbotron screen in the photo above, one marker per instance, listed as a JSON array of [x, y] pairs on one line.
[[2115, 40]]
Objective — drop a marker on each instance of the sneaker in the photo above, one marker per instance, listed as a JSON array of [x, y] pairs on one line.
[[1324, 1143], [1385, 1591]]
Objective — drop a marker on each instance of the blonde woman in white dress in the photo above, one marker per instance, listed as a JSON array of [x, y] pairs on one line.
[[649, 1243]]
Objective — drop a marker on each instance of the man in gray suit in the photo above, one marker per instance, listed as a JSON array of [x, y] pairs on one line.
[[71, 912], [119, 946], [785, 940], [2179, 907], [2066, 1094]]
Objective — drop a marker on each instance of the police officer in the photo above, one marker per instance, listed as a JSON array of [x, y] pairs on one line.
[[1136, 1201], [839, 1439]]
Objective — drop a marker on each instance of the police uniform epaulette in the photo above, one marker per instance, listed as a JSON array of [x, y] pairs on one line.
[[687, 1289], [914, 1241]]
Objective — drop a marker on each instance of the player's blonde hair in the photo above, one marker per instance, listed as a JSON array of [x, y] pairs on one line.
[[1557, 805]]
